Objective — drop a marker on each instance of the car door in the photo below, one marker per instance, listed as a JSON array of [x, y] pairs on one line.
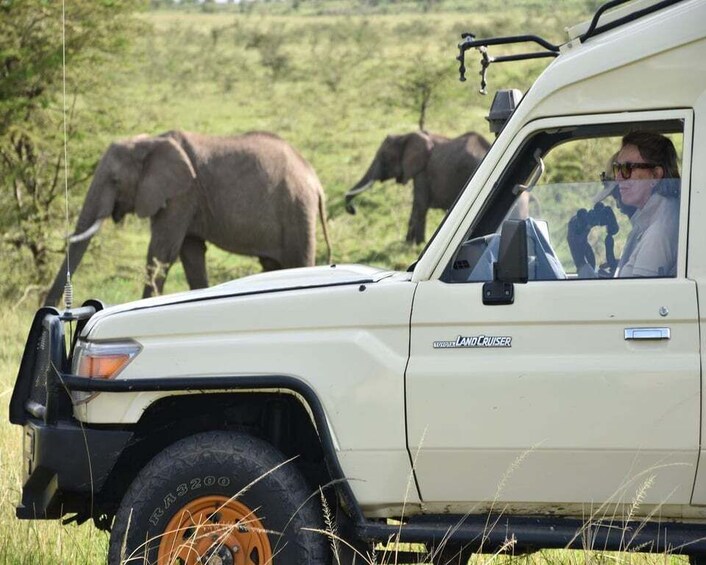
[[580, 391]]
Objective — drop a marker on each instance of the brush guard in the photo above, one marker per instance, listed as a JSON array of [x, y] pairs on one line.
[[65, 463]]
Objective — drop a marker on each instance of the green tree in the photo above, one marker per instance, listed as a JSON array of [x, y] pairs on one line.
[[32, 106], [420, 83]]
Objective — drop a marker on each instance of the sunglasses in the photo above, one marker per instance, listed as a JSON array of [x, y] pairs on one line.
[[626, 169]]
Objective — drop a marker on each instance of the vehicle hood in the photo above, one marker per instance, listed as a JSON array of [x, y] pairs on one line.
[[306, 277], [273, 281]]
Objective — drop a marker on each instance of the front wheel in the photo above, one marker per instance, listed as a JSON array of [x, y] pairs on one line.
[[219, 497]]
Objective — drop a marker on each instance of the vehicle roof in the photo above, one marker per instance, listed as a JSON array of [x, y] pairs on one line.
[[655, 62]]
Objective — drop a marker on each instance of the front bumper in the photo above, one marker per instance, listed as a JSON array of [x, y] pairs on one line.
[[66, 464], [65, 467]]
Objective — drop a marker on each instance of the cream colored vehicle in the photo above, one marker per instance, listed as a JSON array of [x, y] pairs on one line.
[[512, 389]]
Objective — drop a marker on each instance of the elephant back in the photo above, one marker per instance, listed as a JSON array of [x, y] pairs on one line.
[[476, 144], [451, 164], [256, 164], [259, 194]]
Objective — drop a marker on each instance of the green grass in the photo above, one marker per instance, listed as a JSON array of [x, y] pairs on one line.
[[31, 542], [326, 77]]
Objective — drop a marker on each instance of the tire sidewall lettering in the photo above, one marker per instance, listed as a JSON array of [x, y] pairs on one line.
[[191, 486], [156, 515]]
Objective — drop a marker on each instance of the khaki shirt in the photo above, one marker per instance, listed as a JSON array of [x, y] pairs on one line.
[[651, 247]]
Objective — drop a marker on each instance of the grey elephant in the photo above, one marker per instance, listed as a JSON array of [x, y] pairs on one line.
[[251, 194], [438, 165]]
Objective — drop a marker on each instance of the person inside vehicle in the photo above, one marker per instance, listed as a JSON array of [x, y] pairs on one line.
[[611, 188], [646, 175]]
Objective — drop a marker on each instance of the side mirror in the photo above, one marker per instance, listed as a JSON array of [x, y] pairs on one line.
[[511, 266]]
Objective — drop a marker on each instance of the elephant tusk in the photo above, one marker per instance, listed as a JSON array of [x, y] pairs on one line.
[[75, 238], [355, 191]]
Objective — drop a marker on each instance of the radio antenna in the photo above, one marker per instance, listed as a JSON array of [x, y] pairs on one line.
[[68, 288]]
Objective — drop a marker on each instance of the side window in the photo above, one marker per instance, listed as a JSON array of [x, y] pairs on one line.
[[598, 202]]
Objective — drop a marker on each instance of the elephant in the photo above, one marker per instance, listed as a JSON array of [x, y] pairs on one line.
[[251, 194], [439, 166]]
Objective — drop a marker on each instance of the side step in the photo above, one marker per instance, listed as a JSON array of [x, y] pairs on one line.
[[485, 534]]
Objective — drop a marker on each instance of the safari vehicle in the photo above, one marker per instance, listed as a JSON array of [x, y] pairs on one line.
[[489, 398]]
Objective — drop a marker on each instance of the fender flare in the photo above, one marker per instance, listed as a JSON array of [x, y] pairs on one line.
[[235, 383]]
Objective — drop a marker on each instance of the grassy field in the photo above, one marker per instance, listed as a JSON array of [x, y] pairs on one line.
[[331, 80], [333, 85]]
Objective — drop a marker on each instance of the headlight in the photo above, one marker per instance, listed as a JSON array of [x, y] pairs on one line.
[[103, 360]]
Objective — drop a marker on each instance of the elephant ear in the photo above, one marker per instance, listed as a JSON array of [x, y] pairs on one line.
[[166, 172], [415, 154]]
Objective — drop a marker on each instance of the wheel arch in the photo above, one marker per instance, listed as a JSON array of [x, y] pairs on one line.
[[281, 410]]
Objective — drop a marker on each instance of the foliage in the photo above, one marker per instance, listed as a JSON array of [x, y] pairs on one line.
[[32, 109], [420, 83]]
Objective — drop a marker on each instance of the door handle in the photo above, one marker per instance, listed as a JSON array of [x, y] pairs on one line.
[[647, 333]]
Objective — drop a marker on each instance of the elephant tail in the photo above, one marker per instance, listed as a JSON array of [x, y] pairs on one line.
[[324, 224]]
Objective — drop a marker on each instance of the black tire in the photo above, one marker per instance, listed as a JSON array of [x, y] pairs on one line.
[[235, 474]]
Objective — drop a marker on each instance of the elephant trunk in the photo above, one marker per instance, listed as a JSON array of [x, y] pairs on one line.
[[353, 192], [370, 176], [96, 208], [75, 254]]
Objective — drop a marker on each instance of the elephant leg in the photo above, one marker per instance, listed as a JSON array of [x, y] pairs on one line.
[[193, 259], [269, 264], [157, 271], [158, 266], [295, 245], [418, 217], [168, 234]]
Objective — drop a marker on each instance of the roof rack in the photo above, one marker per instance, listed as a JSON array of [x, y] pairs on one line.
[[613, 19], [627, 17], [470, 42]]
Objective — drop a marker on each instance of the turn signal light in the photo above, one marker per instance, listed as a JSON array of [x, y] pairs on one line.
[[103, 360], [102, 367]]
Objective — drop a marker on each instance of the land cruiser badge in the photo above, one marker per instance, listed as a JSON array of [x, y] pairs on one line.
[[475, 341]]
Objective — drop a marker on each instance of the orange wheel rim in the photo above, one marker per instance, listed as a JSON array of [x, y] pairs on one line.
[[214, 530]]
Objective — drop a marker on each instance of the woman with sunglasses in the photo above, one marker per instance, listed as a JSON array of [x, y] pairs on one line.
[[646, 173], [610, 188]]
